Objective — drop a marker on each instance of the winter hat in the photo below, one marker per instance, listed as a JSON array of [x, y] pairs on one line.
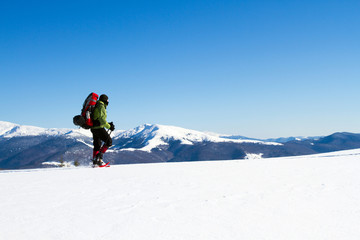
[[104, 99]]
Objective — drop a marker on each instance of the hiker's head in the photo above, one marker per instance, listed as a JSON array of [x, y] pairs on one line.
[[104, 99]]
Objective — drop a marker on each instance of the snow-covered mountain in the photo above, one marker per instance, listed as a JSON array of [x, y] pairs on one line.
[[9, 130], [276, 140], [308, 197], [289, 139], [155, 135], [29, 147]]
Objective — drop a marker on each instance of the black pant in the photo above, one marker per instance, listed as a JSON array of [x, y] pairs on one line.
[[101, 135]]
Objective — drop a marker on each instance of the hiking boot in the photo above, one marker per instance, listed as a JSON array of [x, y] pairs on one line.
[[98, 159], [100, 162]]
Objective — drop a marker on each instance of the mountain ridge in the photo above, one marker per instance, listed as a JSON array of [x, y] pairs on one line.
[[29, 147]]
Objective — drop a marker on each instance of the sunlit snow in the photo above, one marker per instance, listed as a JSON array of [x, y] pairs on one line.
[[308, 197]]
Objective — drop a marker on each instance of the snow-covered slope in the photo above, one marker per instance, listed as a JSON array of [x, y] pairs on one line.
[[309, 197]]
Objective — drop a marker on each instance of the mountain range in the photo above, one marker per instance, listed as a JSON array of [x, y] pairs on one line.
[[33, 147]]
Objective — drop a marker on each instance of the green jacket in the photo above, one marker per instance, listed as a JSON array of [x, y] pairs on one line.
[[99, 116]]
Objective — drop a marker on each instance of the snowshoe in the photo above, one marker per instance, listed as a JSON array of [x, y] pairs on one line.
[[98, 160]]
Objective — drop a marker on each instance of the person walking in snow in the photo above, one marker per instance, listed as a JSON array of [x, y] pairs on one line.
[[98, 130]]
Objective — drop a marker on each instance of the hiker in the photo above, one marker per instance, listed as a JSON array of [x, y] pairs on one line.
[[98, 130]]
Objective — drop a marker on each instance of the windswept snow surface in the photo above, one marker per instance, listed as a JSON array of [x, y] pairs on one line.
[[308, 197]]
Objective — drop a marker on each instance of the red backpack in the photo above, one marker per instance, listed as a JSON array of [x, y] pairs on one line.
[[85, 119]]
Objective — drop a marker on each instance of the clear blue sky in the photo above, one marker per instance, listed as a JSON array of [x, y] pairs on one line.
[[254, 68]]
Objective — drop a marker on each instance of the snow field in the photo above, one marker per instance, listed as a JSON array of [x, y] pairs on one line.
[[308, 197]]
